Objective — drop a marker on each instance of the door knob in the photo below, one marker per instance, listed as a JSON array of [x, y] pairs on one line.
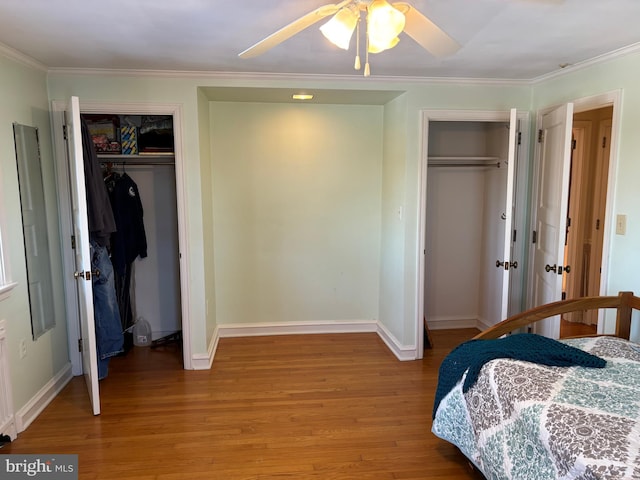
[[549, 268], [86, 275], [499, 264]]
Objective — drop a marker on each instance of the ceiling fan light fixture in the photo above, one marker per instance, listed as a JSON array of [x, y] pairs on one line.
[[384, 24], [339, 29]]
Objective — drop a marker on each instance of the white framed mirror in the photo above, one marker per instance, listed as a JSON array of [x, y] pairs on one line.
[[34, 227]]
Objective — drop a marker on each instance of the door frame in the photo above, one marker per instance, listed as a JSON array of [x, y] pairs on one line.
[[66, 227], [583, 104], [519, 188]]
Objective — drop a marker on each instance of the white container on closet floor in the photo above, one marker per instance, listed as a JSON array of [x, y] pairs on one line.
[[141, 333]]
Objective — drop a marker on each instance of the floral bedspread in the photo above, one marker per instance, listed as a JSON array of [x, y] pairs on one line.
[[531, 422]]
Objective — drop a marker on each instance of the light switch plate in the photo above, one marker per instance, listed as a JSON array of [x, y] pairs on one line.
[[621, 224]]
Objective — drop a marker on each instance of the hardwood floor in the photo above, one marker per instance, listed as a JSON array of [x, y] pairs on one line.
[[574, 329], [286, 407]]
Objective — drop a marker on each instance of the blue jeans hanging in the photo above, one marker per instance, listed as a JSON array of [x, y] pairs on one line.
[[109, 337]]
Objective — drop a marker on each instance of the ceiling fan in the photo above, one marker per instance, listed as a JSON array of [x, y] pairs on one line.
[[384, 22]]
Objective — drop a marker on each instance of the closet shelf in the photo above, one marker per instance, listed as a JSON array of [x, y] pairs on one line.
[[138, 160], [107, 156]]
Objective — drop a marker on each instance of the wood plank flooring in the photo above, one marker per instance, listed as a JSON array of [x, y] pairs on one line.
[[286, 407], [574, 329]]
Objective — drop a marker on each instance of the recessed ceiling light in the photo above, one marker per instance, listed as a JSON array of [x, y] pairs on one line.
[[302, 96]]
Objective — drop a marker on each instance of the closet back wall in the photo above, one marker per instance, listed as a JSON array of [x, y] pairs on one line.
[[297, 211], [157, 277]]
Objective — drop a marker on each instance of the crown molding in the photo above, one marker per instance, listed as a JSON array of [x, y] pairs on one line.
[[17, 56], [288, 77], [262, 76], [605, 57]]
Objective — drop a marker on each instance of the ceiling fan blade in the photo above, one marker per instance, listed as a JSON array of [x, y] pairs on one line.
[[544, 1], [291, 29], [426, 33]]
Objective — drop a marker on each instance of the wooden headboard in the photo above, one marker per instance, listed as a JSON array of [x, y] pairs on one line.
[[624, 303]]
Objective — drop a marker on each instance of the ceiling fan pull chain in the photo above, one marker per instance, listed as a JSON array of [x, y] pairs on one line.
[[367, 70], [357, 63]]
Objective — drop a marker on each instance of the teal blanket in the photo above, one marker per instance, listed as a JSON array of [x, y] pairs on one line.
[[472, 355]]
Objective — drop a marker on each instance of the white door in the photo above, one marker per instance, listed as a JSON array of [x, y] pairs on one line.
[[82, 252], [509, 209], [551, 212]]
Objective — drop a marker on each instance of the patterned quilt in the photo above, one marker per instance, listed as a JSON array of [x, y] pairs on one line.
[[532, 422]]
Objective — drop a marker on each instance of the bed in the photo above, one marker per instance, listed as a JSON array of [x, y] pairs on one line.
[[526, 420]]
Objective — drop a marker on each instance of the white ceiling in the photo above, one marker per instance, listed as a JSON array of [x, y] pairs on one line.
[[506, 39]]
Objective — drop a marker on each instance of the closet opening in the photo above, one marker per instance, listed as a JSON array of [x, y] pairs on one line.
[[466, 185], [158, 171], [471, 274], [137, 162]]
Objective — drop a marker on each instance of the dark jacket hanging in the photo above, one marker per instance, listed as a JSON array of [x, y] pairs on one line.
[[129, 241]]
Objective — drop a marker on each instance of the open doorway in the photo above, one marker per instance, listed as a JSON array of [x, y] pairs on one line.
[[591, 146]]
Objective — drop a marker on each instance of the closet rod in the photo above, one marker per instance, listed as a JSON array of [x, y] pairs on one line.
[[496, 165]]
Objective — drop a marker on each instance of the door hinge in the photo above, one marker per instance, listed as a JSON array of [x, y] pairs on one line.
[[64, 132], [564, 295], [540, 136], [534, 236], [80, 345], [574, 144], [598, 224], [519, 138], [513, 238], [604, 142], [73, 242]]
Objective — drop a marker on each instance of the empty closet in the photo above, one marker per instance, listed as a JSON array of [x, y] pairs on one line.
[[467, 173]]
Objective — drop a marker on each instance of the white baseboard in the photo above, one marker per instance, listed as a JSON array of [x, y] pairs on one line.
[[297, 328], [444, 323], [482, 324], [402, 352], [37, 404], [204, 361]]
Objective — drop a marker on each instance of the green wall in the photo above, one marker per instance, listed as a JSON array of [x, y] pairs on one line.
[[296, 211], [23, 99]]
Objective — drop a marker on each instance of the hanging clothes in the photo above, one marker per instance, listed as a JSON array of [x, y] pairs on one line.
[[109, 337], [129, 242], [99, 212], [102, 225]]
